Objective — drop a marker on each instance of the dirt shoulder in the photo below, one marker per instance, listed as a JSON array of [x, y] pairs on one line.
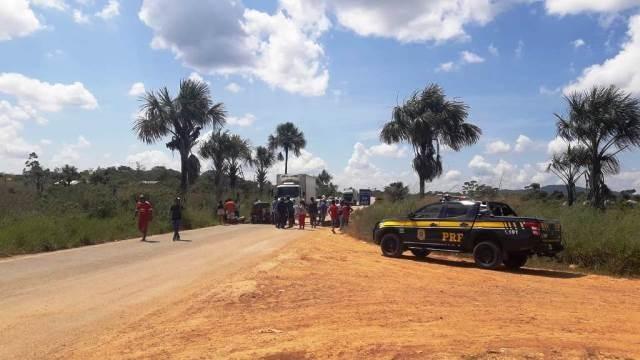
[[330, 296]]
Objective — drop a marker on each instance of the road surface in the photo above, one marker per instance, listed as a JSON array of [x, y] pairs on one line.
[[48, 300]]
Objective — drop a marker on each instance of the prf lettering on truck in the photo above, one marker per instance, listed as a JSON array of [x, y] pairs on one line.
[[452, 237]]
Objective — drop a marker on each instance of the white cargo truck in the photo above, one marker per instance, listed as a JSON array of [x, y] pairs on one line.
[[296, 187], [350, 195]]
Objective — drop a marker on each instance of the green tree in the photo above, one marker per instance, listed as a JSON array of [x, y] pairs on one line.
[[264, 159], [427, 121], [396, 191], [325, 186], [216, 149], [288, 138], [605, 121], [34, 173], [182, 117], [238, 154], [67, 174], [569, 167]]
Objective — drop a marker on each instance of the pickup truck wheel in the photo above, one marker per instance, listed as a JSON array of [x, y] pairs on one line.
[[420, 253], [487, 255], [515, 261], [391, 245]]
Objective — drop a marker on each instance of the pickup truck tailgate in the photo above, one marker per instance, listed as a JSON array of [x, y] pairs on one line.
[[551, 231]]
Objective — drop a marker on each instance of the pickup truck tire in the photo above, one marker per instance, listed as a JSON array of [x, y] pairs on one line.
[[391, 245], [487, 255], [515, 261], [420, 253]]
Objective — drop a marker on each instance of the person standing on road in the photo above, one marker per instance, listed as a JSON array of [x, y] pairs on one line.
[[323, 210], [144, 213], [313, 213], [301, 213], [176, 218], [230, 208], [346, 212], [333, 213], [221, 213], [274, 211], [291, 212], [282, 213]]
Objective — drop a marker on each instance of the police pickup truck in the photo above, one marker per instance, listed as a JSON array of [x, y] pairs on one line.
[[491, 231]]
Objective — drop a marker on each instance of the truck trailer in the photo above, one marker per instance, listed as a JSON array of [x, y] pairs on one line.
[[296, 187]]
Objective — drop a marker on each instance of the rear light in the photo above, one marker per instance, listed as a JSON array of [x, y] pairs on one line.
[[534, 226]]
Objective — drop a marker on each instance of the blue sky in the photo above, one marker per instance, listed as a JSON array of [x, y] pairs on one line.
[[333, 67]]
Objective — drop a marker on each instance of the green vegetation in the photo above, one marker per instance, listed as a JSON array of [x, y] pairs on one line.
[[100, 207], [606, 242], [288, 138]]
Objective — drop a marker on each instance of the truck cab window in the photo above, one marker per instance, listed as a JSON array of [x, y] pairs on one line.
[[429, 212], [455, 210]]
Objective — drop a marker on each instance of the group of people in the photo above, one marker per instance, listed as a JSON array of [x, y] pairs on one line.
[[285, 213], [144, 214]]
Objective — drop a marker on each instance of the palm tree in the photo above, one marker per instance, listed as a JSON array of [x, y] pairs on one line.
[[428, 121], [264, 159], [289, 138], [605, 121], [238, 154], [569, 167], [182, 117], [216, 149]]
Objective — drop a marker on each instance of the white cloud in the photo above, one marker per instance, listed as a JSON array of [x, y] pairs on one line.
[[493, 50], [46, 142], [578, 43], [79, 17], [70, 153], [281, 49], [45, 96], [543, 90], [446, 67], [233, 88], [151, 158], [13, 147], [17, 19], [480, 166], [111, 10], [506, 175], [559, 145], [306, 163], [243, 121], [415, 20], [622, 70], [523, 143], [471, 58], [52, 4], [567, 7], [453, 175], [137, 89], [497, 147], [386, 150], [519, 49], [197, 77]]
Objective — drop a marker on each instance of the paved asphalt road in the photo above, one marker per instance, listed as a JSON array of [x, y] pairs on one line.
[[48, 299]]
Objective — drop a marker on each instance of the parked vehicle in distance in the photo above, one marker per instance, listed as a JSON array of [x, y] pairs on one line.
[[296, 187], [350, 195], [491, 231], [261, 213], [365, 197]]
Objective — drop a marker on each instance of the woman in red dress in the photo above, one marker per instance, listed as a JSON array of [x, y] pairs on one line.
[[144, 212]]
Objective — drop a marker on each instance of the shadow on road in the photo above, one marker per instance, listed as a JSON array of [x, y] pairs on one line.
[[183, 240], [461, 263], [150, 241]]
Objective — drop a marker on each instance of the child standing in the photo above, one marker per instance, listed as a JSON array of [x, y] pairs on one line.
[[176, 218], [333, 213], [144, 213], [301, 213]]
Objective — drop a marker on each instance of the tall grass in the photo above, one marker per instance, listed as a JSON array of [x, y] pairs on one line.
[[607, 242], [66, 217]]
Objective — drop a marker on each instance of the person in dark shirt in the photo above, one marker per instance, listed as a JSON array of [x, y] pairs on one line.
[[176, 218], [291, 212], [282, 213], [313, 212]]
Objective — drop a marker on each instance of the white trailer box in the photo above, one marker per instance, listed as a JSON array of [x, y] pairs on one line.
[[296, 187]]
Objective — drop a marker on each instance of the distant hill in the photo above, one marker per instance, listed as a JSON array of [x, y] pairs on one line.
[[551, 188]]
